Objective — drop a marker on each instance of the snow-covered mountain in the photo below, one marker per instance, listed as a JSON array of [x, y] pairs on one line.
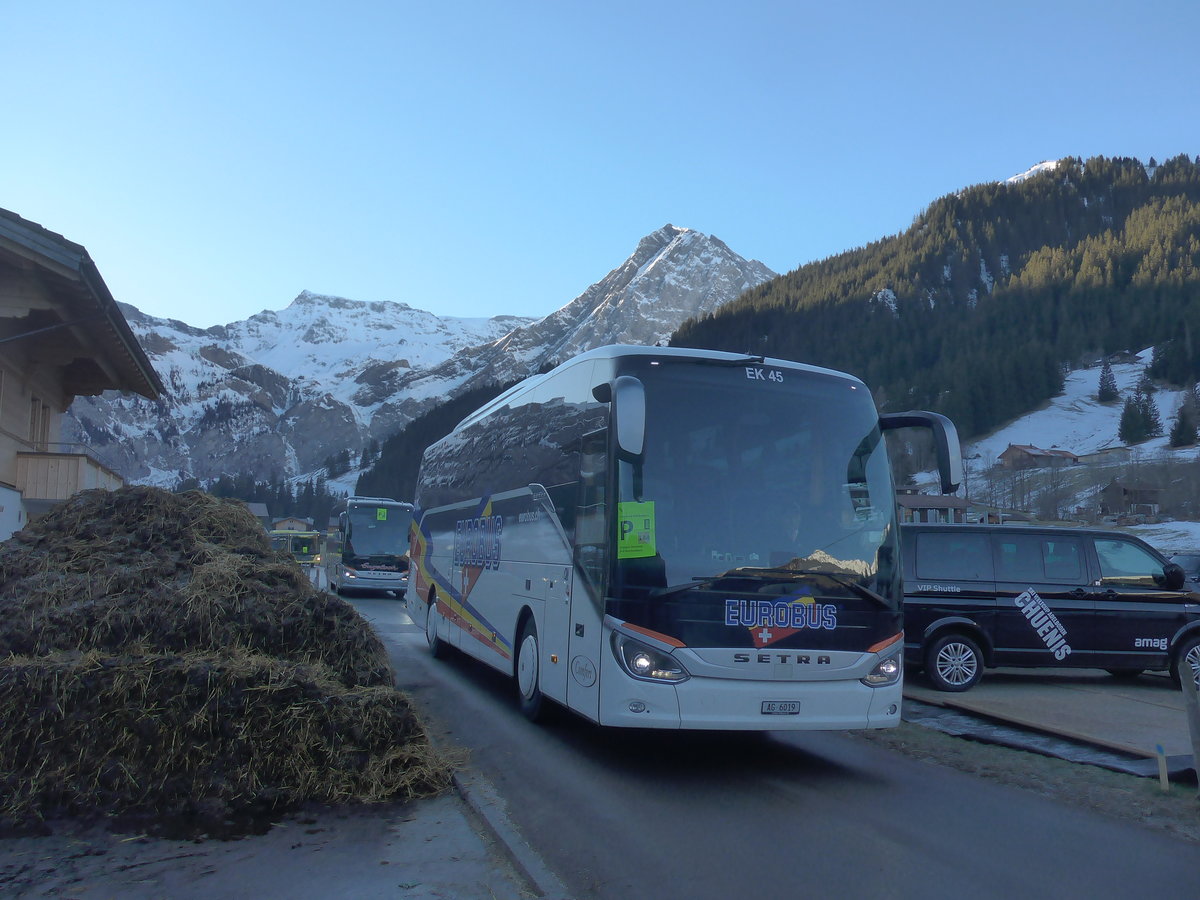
[[673, 275], [273, 394], [280, 392]]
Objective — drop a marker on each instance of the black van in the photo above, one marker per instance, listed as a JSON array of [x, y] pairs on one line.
[[1006, 595]]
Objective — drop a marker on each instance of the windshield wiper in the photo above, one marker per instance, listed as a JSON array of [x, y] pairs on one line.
[[696, 582], [699, 581], [844, 580], [766, 574]]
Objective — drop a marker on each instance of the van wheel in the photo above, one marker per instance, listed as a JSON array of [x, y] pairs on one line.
[[954, 662], [437, 647], [529, 690], [1187, 656]]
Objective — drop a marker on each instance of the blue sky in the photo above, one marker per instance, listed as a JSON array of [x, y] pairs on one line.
[[479, 158]]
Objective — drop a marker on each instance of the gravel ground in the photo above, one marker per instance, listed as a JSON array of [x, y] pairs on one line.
[[1120, 796]]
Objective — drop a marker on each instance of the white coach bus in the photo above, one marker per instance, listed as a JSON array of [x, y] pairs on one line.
[[369, 551], [668, 538]]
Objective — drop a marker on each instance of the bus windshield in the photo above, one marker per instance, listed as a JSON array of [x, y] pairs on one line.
[[377, 530], [773, 480]]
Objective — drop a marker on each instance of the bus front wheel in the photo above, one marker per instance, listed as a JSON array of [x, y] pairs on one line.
[[437, 646], [529, 691]]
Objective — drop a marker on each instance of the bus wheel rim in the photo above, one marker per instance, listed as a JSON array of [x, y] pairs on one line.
[[527, 666], [430, 624]]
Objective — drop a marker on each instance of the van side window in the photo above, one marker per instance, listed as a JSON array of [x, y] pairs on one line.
[[1035, 558], [1063, 560], [1122, 562], [954, 557], [1019, 558]]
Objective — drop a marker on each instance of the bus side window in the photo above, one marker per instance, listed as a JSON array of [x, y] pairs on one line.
[[591, 537]]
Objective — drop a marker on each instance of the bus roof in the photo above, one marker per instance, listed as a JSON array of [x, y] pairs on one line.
[[620, 351], [347, 502]]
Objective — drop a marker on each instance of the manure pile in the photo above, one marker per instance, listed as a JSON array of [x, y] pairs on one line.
[[159, 659]]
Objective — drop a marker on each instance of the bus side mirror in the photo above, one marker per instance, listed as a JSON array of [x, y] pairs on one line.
[[945, 440], [628, 398]]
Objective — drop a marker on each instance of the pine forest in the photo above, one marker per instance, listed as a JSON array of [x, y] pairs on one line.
[[979, 308]]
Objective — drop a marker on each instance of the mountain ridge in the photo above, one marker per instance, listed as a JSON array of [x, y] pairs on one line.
[[277, 393]]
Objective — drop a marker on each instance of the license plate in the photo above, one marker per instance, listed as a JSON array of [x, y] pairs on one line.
[[781, 707]]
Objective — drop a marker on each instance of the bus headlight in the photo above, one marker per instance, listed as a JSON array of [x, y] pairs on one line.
[[886, 672], [645, 663]]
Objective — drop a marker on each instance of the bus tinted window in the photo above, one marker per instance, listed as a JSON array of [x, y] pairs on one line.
[[528, 443]]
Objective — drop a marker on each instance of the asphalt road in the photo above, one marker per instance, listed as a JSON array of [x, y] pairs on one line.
[[695, 815]]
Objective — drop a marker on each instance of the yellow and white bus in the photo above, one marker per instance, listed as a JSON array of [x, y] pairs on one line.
[[305, 546], [667, 538]]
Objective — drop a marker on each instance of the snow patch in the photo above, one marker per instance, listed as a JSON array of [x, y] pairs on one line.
[[1045, 166], [989, 283], [1076, 421], [888, 298]]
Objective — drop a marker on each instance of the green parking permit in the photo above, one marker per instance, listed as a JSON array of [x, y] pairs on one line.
[[637, 529], [381, 514]]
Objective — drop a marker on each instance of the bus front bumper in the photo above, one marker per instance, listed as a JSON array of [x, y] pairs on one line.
[[365, 580], [739, 705]]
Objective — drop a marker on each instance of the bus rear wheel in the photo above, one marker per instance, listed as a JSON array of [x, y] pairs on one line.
[[437, 647], [529, 691]]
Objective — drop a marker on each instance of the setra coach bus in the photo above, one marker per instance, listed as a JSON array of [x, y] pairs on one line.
[[369, 551], [679, 539]]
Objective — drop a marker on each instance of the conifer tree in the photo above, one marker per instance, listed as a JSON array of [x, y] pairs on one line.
[[1132, 429], [1183, 432], [1108, 385], [1151, 420]]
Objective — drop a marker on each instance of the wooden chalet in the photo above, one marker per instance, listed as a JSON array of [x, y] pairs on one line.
[[61, 337], [1026, 456]]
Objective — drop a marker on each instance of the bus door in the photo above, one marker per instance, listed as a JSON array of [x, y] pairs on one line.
[[555, 636], [587, 586]]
